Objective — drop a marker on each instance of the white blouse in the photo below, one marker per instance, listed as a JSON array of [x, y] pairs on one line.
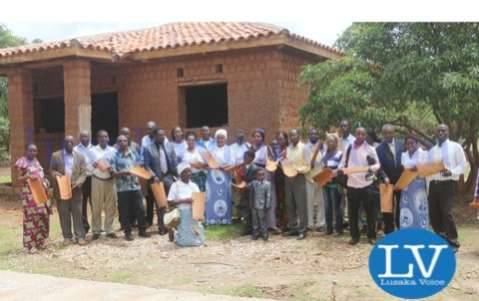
[[419, 156], [193, 157], [180, 191]]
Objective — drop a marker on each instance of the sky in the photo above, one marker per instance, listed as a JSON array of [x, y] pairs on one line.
[[319, 20]]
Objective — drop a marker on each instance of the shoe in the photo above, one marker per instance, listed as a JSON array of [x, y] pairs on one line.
[[254, 237], [301, 236], [290, 233], [276, 231], [265, 236], [128, 237], [112, 235], [95, 236], [143, 234], [162, 231], [353, 241], [67, 242], [171, 235], [329, 232], [82, 242], [372, 241]]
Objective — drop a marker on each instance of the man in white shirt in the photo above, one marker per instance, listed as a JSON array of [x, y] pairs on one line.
[[345, 137], [361, 154], [239, 147], [443, 185], [103, 192], [314, 193], [85, 148], [205, 140], [148, 139]]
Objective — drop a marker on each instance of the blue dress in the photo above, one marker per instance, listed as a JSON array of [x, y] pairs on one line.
[[413, 205], [218, 188]]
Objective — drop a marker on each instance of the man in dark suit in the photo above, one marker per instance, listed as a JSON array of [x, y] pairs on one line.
[[389, 154], [160, 160], [70, 163]]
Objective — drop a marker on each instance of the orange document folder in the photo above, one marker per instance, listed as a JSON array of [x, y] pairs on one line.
[[159, 194], [65, 187], [38, 191], [198, 205], [140, 172], [386, 196]]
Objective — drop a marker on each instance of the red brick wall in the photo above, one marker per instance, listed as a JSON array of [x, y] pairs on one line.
[[261, 83]]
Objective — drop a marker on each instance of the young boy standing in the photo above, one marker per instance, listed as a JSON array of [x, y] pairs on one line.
[[260, 202]]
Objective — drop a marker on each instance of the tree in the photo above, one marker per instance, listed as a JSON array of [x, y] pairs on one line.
[[7, 39], [413, 75]]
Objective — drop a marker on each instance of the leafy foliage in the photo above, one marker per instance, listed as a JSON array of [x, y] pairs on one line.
[[7, 39], [414, 75]]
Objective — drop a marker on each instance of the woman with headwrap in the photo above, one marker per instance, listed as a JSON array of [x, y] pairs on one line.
[[189, 232], [218, 183]]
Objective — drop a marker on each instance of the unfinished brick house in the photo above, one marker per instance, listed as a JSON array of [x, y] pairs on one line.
[[231, 74]]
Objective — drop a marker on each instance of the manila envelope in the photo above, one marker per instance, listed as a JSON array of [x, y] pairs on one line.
[[38, 191], [355, 169], [64, 187], [405, 179], [324, 177], [103, 165], [386, 196], [198, 205], [474, 204], [271, 165], [288, 169], [159, 193], [429, 169], [140, 172], [212, 163]]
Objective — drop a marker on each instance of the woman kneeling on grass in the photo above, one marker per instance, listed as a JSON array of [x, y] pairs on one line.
[[36, 220], [189, 232]]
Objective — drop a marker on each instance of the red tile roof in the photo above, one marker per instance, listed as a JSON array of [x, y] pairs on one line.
[[167, 36]]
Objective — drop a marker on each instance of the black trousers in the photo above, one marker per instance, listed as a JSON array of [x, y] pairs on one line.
[[440, 200], [86, 198], [391, 220], [130, 203], [244, 210], [356, 197]]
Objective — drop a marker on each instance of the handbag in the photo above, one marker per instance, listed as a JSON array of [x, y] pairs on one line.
[[343, 179], [172, 218]]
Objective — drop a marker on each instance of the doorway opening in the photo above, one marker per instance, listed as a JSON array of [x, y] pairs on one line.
[[104, 115]]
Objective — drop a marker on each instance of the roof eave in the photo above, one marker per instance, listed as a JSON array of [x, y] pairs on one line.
[[272, 40], [49, 54]]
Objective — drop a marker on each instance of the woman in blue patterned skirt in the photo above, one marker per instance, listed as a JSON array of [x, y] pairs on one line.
[[413, 203]]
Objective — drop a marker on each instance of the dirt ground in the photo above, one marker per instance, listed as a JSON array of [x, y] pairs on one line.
[[318, 268]]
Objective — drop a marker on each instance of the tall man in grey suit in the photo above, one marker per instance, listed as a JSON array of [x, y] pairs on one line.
[[70, 163], [160, 159]]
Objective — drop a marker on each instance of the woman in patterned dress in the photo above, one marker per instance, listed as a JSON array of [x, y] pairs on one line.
[[36, 220], [218, 184], [413, 204]]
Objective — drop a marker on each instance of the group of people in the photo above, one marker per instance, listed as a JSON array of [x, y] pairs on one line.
[[268, 187]]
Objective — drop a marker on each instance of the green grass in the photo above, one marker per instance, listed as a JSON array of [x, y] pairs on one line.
[[5, 179], [246, 290], [222, 232]]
